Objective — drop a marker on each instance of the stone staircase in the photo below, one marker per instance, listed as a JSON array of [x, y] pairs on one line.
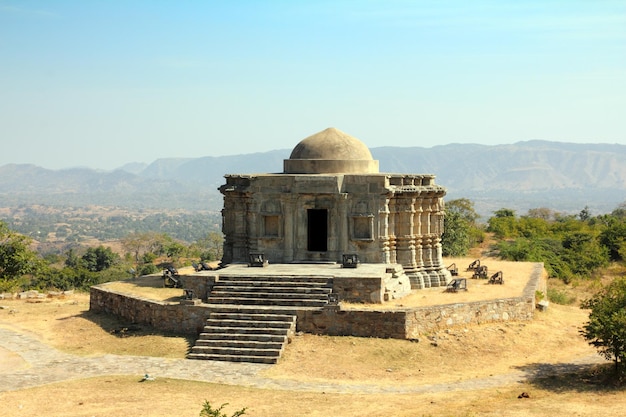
[[251, 318]]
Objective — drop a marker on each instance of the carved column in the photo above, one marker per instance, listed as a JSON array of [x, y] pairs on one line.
[[289, 229], [384, 231]]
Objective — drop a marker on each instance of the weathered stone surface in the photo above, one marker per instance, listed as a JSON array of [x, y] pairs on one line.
[[331, 200], [405, 323]]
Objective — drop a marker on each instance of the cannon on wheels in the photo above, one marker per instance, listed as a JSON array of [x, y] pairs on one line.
[[496, 278], [202, 266], [481, 272], [456, 285], [454, 270], [171, 278], [474, 265]]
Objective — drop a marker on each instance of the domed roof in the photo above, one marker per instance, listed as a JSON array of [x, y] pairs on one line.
[[331, 144], [330, 151]]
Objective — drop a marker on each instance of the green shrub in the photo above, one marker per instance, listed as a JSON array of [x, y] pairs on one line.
[[209, 411], [148, 269], [560, 297]]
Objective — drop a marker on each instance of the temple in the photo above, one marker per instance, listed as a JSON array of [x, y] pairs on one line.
[[332, 205]]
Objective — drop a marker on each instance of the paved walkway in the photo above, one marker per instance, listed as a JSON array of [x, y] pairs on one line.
[[48, 365]]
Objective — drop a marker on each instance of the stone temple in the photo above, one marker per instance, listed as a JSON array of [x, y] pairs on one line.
[[331, 205], [305, 249]]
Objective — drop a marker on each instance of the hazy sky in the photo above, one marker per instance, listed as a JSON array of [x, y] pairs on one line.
[[103, 83]]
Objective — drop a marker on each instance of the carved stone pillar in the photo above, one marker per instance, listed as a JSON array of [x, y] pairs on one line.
[[383, 231], [289, 208]]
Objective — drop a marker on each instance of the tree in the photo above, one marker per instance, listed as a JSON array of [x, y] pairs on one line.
[[16, 257], [100, 258], [503, 223], [543, 213], [140, 244], [455, 238], [606, 329], [174, 250], [584, 214], [614, 238], [464, 207], [210, 247], [460, 229]]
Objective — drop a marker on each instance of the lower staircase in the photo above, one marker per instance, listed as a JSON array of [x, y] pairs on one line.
[[251, 318]]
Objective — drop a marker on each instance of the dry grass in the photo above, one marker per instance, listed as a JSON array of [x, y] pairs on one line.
[[67, 324], [150, 286], [125, 396], [459, 355]]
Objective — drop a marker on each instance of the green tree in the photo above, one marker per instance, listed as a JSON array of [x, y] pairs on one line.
[[614, 238], [503, 224], [100, 258], [583, 253], [16, 257], [460, 229], [606, 328], [455, 239], [465, 208]]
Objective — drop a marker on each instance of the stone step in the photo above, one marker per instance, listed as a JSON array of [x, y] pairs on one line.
[[301, 279], [211, 322], [240, 344], [245, 330], [253, 309], [269, 301], [273, 289], [251, 317], [233, 351], [217, 339], [234, 358], [268, 294], [254, 316]]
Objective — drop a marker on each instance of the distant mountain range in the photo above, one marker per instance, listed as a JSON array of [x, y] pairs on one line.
[[563, 176]]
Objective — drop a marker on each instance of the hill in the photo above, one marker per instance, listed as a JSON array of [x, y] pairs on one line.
[[562, 176]]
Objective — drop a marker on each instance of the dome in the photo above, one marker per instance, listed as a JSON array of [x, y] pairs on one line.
[[330, 151], [331, 143]]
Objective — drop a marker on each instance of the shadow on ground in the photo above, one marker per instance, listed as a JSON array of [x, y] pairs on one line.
[[124, 328], [570, 377]]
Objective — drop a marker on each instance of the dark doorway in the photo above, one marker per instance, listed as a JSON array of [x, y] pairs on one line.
[[317, 240]]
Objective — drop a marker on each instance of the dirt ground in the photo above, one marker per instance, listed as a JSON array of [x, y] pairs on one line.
[[540, 347]]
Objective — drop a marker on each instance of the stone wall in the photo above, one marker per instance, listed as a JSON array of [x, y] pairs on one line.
[[414, 322], [406, 323], [358, 290], [165, 316], [336, 322]]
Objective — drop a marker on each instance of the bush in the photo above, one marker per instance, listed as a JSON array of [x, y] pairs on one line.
[[560, 297], [148, 269], [209, 411]]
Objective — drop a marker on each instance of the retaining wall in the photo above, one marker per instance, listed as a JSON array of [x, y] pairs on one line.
[[332, 320], [166, 316], [413, 322]]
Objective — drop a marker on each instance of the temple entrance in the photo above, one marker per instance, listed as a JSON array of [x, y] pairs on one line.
[[317, 230]]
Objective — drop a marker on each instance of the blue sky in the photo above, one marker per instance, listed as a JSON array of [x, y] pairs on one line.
[[104, 83]]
